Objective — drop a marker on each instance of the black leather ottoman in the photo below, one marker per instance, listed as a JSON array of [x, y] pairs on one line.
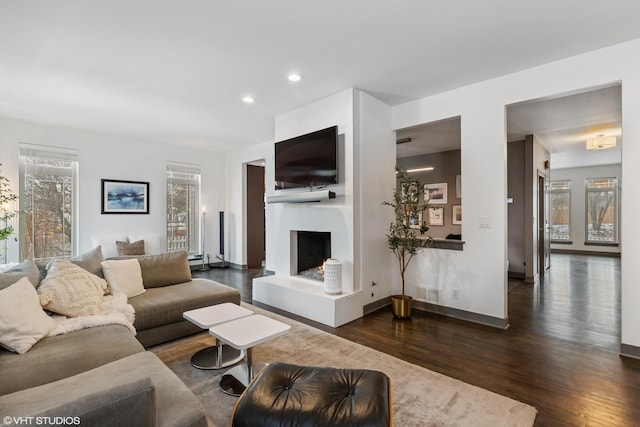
[[284, 394]]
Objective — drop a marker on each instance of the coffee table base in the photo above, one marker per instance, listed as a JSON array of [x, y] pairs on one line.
[[236, 379], [207, 358]]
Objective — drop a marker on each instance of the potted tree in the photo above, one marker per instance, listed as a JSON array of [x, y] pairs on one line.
[[407, 232]]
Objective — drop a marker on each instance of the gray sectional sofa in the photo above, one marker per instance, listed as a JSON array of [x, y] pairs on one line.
[[103, 375]]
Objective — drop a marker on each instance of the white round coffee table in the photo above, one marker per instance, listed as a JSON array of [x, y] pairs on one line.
[[217, 356]]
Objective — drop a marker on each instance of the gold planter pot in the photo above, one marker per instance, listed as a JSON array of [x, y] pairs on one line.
[[401, 306]]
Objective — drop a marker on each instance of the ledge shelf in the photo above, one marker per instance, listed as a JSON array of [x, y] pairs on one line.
[[302, 197]]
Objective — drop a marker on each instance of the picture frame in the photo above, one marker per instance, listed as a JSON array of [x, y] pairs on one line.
[[436, 216], [124, 197], [412, 195], [458, 186], [456, 215], [436, 193], [415, 221]]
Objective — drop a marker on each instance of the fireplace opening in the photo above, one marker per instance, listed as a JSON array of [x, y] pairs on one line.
[[314, 248]]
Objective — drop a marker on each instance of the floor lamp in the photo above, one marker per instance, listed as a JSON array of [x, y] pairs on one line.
[[205, 267]]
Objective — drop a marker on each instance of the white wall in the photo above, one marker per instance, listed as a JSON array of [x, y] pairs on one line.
[[577, 208], [113, 157], [375, 148], [236, 191], [481, 107], [336, 215]]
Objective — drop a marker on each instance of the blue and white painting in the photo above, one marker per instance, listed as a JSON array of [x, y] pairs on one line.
[[125, 197]]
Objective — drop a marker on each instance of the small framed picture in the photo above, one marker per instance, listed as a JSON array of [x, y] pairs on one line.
[[410, 193], [415, 220], [436, 193], [436, 216], [125, 197], [456, 217]]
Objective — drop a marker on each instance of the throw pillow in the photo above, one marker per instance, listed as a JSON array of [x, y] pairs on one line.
[[135, 248], [90, 261], [23, 322], [124, 276], [27, 269], [108, 244], [165, 269], [71, 290], [152, 244]]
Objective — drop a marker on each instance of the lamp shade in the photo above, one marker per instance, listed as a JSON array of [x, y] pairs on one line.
[[601, 142]]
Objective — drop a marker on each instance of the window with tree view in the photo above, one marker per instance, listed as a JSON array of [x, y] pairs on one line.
[[183, 196], [602, 210], [560, 200], [47, 202]]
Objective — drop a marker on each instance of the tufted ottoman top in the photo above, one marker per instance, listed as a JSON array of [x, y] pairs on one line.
[[285, 394]]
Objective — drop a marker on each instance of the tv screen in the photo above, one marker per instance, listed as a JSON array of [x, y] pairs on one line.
[[309, 160]]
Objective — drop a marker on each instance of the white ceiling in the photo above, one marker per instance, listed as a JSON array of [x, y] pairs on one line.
[[175, 71]]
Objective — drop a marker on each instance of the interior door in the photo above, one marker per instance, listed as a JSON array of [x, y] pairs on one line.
[[255, 216], [544, 228]]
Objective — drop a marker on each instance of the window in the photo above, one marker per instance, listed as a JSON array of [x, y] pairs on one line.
[[602, 210], [183, 200], [48, 185], [560, 198]]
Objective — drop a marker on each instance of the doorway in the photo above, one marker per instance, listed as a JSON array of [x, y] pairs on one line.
[[544, 234], [255, 244]]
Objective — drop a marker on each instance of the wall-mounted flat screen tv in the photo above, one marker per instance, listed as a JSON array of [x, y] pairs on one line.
[[309, 160]]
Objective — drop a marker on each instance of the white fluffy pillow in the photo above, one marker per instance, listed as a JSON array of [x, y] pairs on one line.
[[23, 322], [71, 290], [124, 276]]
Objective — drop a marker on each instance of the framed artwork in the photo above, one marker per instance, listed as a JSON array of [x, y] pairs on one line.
[[415, 220], [436, 216], [456, 218], [458, 186], [125, 197], [436, 193], [412, 191]]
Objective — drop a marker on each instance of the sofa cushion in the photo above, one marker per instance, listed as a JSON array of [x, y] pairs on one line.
[[27, 269], [165, 305], [23, 322], [90, 261], [124, 276], [128, 402], [176, 404], [71, 290], [165, 269], [60, 356], [135, 248]]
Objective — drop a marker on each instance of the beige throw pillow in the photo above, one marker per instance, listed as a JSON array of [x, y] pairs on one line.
[[23, 322], [124, 276], [135, 248], [71, 290]]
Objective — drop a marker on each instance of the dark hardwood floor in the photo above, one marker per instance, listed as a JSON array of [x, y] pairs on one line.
[[560, 353]]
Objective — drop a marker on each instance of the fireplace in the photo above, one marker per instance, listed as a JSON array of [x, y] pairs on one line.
[[313, 248]]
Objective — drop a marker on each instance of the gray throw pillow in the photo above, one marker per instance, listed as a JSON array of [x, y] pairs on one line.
[[27, 268], [127, 249], [164, 269], [90, 261]]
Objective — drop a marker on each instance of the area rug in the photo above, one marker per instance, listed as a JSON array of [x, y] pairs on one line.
[[420, 397]]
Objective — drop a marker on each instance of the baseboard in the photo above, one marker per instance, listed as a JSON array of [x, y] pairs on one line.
[[376, 305], [627, 350], [516, 275], [455, 313], [468, 316]]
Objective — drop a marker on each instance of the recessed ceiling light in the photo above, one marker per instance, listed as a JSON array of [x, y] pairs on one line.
[[248, 100], [293, 77]]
